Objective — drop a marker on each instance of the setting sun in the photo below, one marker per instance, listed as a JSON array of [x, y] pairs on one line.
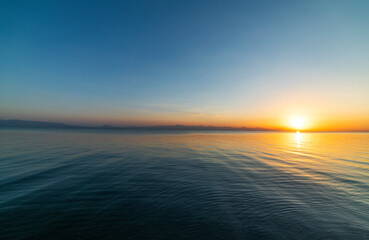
[[297, 122]]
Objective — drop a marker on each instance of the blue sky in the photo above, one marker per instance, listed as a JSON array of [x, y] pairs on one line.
[[183, 62]]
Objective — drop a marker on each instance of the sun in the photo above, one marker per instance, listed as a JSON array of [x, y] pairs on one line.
[[297, 122]]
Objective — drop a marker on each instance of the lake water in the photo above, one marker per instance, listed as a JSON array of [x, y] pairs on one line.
[[183, 185]]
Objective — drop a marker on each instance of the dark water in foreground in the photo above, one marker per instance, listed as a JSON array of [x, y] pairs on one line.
[[175, 185]]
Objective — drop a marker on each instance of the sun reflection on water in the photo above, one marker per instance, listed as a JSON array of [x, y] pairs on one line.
[[298, 137]]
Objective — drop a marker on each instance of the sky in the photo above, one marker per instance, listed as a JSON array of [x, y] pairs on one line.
[[219, 63]]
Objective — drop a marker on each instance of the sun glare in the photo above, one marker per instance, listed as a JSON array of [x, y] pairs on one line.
[[297, 122]]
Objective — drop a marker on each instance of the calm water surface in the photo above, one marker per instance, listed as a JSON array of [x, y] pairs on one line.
[[183, 185]]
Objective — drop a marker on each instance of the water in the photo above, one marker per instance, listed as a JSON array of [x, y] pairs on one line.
[[183, 185]]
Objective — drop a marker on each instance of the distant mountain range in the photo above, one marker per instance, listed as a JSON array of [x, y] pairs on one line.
[[39, 124], [31, 124]]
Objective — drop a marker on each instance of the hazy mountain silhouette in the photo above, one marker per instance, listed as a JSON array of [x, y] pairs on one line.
[[36, 124], [40, 124]]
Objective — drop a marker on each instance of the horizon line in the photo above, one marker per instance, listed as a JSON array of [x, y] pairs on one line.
[[18, 123]]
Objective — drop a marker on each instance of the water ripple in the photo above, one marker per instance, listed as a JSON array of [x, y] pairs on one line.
[[193, 185]]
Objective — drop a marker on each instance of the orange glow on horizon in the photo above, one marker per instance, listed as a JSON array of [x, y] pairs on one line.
[[277, 119]]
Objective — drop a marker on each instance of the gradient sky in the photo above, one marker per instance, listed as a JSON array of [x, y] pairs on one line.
[[222, 63]]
